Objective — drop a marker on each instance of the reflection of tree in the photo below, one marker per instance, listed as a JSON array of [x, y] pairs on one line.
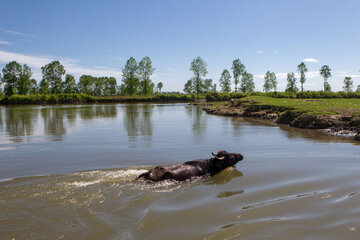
[[19, 122], [70, 113], [54, 122], [145, 120], [105, 111], [198, 119], [138, 119], [96, 111], [1, 118]]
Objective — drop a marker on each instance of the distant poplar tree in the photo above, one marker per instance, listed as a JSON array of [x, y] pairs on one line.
[[99, 86], [144, 71], [160, 86], [270, 82], [33, 87], [348, 84], [69, 84], [130, 78], [327, 86], [208, 85], [238, 70], [52, 73], [24, 82], [325, 72], [225, 81], [358, 88], [302, 70], [44, 87], [110, 86], [86, 84], [188, 87], [291, 83], [11, 75], [247, 83], [199, 68]]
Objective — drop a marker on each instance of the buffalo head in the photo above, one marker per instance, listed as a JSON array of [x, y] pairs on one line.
[[224, 159]]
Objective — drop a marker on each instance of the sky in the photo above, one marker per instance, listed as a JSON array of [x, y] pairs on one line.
[[97, 37]]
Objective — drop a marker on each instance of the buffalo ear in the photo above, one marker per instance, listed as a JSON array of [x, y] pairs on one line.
[[213, 154]]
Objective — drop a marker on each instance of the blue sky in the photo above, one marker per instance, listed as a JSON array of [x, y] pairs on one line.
[[97, 37]]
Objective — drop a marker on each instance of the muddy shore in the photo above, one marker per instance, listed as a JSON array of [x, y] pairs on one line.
[[340, 124]]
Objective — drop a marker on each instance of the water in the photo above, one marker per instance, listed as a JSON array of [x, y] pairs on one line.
[[67, 172]]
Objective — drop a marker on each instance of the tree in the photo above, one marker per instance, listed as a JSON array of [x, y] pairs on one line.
[[44, 86], [348, 84], [144, 71], [225, 81], [69, 85], [358, 88], [238, 70], [52, 73], [33, 87], [188, 87], [302, 70], [325, 72], [110, 86], [86, 84], [291, 85], [270, 82], [99, 86], [11, 75], [327, 86], [24, 82], [198, 67], [130, 79], [208, 85], [160, 86], [247, 83]]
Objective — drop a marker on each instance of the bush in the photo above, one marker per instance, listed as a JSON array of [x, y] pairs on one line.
[[217, 96], [48, 99], [174, 97]]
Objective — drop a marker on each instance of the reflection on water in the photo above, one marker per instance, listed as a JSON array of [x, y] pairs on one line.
[[19, 123], [138, 121], [68, 172]]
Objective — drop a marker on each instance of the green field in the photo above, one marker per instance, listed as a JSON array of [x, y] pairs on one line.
[[315, 106]]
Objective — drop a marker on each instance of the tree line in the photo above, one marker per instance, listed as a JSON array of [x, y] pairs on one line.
[[17, 79], [199, 84]]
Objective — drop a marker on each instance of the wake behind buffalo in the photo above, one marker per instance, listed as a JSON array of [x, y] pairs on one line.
[[195, 168]]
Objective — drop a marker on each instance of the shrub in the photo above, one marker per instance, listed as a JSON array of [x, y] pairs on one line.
[[48, 99]]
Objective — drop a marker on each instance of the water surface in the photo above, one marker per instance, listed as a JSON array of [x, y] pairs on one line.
[[67, 172]]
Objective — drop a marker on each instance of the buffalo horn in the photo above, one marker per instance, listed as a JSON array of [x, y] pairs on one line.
[[220, 158]]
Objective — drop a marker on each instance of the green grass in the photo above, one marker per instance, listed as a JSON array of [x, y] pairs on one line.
[[313, 106]]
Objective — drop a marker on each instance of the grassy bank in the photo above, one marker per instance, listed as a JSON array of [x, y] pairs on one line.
[[217, 96], [333, 106], [338, 115]]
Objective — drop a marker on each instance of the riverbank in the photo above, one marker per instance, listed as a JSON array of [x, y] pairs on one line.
[[332, 116], [87, 99]]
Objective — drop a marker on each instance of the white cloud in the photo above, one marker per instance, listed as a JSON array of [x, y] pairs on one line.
[[313, 60], [17, 33], [309, 75], [6, 43], [71, 67], [346, 74], [260, 52]]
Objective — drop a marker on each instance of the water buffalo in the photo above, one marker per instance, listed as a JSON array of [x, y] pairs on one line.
[[195, 168]]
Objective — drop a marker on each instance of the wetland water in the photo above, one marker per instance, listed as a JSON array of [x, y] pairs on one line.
[[67, 172]]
